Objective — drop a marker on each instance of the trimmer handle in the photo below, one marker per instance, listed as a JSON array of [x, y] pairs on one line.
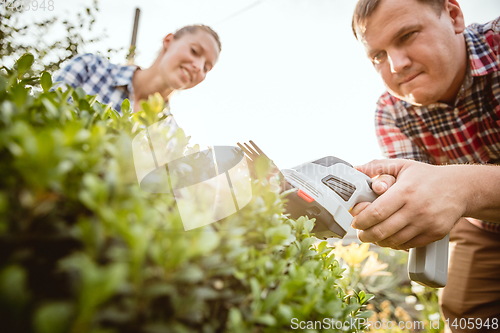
[[427, 265]]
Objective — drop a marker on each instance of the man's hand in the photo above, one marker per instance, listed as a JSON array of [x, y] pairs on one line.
[[380, 184], [421, 207]]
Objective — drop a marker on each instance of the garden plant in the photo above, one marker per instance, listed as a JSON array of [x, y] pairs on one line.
[[84, 249]]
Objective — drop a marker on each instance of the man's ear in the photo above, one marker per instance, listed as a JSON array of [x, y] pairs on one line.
[[456, 15], [167, 41]]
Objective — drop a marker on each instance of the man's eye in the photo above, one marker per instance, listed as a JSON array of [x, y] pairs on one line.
[[194, 51], [407, 36]]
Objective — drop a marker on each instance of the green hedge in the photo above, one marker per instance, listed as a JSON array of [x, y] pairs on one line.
[[84, 249]]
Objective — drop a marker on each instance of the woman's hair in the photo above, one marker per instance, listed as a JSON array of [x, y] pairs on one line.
[[194, 28], [365, 8]]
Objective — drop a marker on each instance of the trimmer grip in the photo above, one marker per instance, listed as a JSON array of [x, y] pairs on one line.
[[333, 188], [428, 265]]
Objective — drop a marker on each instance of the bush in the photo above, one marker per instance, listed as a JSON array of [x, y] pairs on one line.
[[401, 305], [84, 249]]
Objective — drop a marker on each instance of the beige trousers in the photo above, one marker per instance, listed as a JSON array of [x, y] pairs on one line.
[[473, 287]]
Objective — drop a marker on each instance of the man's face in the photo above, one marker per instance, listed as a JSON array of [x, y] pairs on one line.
[[188, 59], [419, 54]]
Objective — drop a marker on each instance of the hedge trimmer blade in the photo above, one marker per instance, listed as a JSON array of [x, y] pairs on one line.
[[252, 153]]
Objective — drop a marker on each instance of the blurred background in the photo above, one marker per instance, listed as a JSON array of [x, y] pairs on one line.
[[291, 75]]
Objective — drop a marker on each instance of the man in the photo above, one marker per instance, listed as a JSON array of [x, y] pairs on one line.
[[442, 106]]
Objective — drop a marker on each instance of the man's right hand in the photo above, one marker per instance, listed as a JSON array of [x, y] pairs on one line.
[[380, 184], [420, 207]]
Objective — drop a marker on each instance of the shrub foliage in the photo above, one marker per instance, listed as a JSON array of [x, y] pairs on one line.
[[84, 249]]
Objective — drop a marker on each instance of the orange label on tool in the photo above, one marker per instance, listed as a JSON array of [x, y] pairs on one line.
[[304, 196]]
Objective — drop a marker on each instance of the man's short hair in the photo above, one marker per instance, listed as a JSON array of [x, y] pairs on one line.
[[365, 8]]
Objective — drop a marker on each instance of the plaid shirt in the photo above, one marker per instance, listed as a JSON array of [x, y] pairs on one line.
[[468, 132], [111, 83]]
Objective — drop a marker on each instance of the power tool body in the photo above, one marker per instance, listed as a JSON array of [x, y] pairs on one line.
[[326, 190]]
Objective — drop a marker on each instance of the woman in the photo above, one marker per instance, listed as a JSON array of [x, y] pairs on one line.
[[184, 61]]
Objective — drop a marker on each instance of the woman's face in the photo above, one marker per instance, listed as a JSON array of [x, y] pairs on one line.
[[188, 59]]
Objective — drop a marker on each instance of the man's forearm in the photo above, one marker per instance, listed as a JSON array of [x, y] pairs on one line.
[[482, 188], [426, 201]]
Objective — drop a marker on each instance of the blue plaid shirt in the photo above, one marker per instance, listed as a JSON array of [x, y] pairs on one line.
[[111, 83]]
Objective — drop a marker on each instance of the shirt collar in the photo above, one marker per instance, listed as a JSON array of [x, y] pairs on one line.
[[482, 58], [123, 76]]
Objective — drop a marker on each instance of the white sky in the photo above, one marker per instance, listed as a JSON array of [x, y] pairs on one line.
[[291, 75]]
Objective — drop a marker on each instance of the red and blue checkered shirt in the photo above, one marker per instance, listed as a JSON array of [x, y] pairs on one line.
[[467, 132]]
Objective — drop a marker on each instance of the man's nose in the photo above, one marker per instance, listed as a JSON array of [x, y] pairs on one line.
[[399, 60]]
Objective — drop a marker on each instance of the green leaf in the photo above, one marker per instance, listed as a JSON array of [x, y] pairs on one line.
[[13, 281], [80, 93], [365, 298], [280, 235], [24, 63], [263, 166], [53, 317], [20, 93], [65, 95], [365, 314], [7, 111], [29, 81], [98, 109], [92, 100], [307, 243], [285, 311], [3, 84], [51, 109], [206, 293], [46, 81], [191, 274], [157, 290], [273, 299], [235, 317], [84, 105], [266, 319], [300, 224], [309, 225], [322, 246], [255, 286], [125, 107]]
